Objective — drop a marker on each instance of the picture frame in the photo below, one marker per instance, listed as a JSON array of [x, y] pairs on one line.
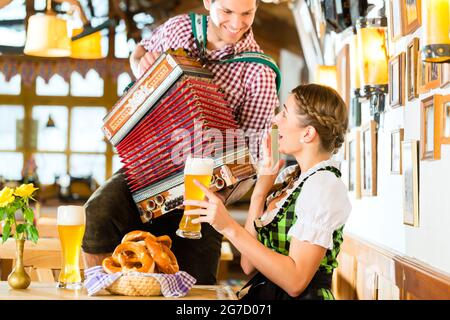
[[397, 80], [396, 19], [353, 144], [433, 75], [343, 74], [422, 74], [443, 103], [412, 55], [396, 150], [410, 165], [368, 148], [429, 76], [445, 74], [354, 117], [413, 15], [310, 42], [431, 129]]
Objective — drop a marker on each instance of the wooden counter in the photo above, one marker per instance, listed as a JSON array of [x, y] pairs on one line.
[[48, 291]]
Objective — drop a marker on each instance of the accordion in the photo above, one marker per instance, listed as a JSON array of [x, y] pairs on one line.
[[174, 110]]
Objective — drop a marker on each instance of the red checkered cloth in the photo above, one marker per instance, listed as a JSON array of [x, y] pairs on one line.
[[249, 87]]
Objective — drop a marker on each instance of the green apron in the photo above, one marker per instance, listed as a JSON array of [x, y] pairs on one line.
[[275, 236]]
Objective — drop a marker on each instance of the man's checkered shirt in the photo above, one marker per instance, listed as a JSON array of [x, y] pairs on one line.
[[249, 87]]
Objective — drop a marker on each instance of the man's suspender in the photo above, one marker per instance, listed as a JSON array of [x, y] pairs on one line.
[[199, 25]]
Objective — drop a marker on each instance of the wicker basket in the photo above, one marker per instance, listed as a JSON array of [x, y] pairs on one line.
[[133, 285]]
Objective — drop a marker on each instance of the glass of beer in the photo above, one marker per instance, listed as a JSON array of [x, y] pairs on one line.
[[71, 222], [200, 169]]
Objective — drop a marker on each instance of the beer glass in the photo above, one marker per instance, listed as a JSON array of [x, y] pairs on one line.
[[71, 222], [200, 169]]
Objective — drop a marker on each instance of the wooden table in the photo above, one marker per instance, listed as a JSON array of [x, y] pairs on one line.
[[48, 291]]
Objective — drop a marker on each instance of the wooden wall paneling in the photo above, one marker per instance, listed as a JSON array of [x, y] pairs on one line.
[[387, 290], [344, 278], [385, 274], [424, 282], [366, 282]]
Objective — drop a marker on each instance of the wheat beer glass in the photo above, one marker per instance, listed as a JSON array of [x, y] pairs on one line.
[[200, 169], [71, 221]]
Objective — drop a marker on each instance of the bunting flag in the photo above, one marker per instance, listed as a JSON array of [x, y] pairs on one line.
[[29, 70]]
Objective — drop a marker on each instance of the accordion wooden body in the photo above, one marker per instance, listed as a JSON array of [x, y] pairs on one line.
[[173, 110]]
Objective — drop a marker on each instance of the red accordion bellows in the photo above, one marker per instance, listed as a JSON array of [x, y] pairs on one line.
[[172, 110]]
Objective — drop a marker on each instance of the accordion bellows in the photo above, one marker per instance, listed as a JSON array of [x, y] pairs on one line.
[[173, 110]]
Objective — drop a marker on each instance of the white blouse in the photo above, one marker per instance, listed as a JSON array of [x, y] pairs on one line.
[[321, 208]]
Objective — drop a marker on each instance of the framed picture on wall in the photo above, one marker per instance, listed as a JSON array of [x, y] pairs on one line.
[[445, 74], [433, 75], [396, 151], [422, 76], [410, 165], [354, 117], [412, 15], [396, 16], [397, 80], [343, 74], [369, 159], [431, 128], [353, 160], [444, 107], [310, 42], [412, 54]]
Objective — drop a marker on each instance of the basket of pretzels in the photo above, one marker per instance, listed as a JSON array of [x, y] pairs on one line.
[[138, 255]]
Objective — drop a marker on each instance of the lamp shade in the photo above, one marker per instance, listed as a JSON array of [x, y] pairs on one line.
[[326, 75], [47, 36], [88, 47], [436, 38], [355, 81], [372, 55]]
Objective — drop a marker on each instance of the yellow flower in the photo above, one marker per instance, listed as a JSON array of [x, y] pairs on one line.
[[6, 197], [25, 190]]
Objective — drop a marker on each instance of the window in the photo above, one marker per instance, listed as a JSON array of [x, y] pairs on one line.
[[50, 166], [51, 138], [10, 118], [85, 165], [121, 45], [123, 81], [56, 86], [60, 123], [11, 164], [12, 86], [86, 133], [91, 86], [13, 36], [116, 163]]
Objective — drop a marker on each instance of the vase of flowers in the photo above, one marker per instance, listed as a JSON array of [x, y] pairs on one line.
[[13, 200]]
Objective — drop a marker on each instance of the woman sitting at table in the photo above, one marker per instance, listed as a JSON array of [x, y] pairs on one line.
[[293, 231]]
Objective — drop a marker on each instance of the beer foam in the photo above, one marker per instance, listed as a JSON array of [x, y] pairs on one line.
[[199, 166], [71, 215]]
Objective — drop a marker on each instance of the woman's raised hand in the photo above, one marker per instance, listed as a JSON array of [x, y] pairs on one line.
[[267, 169]]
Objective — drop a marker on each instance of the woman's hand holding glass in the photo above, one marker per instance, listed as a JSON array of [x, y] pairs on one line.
[[212, 210]]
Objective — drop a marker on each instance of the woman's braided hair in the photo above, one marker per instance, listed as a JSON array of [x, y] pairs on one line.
[[324, 109]]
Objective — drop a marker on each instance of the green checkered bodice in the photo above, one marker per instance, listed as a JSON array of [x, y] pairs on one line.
[[275, 234]]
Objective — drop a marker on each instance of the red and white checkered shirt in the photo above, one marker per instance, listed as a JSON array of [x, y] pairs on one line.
[[249, 87]]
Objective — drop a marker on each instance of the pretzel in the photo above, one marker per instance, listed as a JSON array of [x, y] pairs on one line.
[[111, 266], [141, 251], [164, 258], [165, 240], [133, 257], [136, 236]]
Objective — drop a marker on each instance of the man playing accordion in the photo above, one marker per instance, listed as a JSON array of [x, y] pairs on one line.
[[250, 89]]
